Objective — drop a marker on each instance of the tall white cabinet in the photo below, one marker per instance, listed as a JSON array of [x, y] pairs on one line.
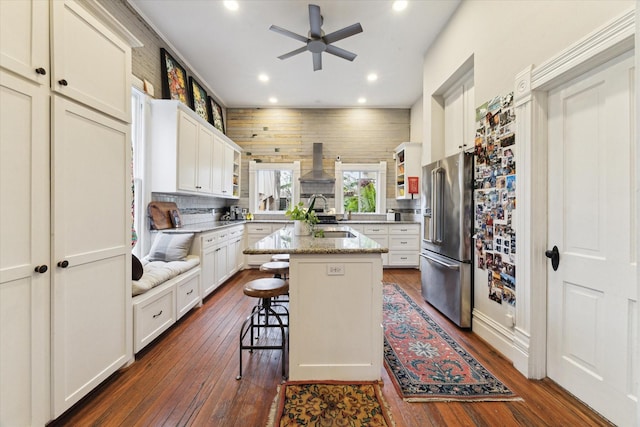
[[65, 263]]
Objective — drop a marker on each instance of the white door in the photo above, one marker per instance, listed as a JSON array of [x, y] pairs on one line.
[[91, 271], [592, 301], [24, 252]]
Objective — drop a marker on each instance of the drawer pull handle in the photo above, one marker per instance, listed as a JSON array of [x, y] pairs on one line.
[[157, 315], [190, 292], [403, 243]]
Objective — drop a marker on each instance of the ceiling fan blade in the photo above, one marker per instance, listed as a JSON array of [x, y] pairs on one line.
[[288, 33], [343, 33], [317, 61], [292, 53], [315, 21], [334, 50]]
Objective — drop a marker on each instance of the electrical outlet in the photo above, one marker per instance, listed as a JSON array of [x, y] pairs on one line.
[[335, 269]]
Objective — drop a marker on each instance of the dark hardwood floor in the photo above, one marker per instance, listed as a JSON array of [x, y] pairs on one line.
[[187, 378]]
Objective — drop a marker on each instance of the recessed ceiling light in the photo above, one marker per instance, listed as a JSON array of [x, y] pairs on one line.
[[231, 4], [400, 5], [273, 100], [362, 100], [263, 78], [372, 77]]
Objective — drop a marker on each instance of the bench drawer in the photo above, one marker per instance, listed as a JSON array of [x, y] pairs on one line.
[[188, 293], [154, 316]]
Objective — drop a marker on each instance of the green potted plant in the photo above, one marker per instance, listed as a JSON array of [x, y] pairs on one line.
[[304, 219]]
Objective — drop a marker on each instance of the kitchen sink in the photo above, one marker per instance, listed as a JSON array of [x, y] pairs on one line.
[[335, 234]]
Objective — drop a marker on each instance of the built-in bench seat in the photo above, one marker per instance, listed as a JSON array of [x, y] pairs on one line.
[[166, 291]]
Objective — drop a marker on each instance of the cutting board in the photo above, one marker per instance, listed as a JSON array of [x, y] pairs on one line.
[[163, 215]]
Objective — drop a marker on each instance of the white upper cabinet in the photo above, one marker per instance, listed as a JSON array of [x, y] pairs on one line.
[[24, 39], [188, 155], [89, 62]]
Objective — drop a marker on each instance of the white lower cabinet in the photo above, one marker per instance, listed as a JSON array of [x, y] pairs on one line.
[[256, 232], [235, 257], [379, 233], [403, 241], [220, 253], [404, 245]]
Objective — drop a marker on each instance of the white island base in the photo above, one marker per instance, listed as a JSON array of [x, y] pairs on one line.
[[335, 330]]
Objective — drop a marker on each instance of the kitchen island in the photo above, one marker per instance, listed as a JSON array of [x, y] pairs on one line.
[[335, 303]]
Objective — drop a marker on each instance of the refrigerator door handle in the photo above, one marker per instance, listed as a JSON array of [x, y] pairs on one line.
[[440, 262], [437, 187]]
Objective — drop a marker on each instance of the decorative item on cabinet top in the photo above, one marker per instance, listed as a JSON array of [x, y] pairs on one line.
[[199, 99], [215, 115], [174, 78]]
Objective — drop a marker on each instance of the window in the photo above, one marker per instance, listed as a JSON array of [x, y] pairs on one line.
[[362, 187], [273, 187], [137, 143]]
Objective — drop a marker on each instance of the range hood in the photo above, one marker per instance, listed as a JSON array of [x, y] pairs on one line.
[[317, 181], [317, 174]]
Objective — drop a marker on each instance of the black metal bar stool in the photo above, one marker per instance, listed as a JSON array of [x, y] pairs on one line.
[[265, 289]]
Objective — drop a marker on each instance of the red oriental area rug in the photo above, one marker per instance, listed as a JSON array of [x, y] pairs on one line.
[[329, 403], [425, 363]]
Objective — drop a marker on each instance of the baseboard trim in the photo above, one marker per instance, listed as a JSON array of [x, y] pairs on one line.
[[497, 335]]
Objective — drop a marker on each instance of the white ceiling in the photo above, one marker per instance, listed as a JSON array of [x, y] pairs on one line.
[[228, 50]]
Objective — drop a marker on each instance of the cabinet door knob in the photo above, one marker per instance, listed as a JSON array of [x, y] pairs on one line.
[[41, 269], [41, 71], [63, 82], [63, 264]]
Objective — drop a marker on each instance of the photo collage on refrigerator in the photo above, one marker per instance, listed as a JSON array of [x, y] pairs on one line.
[[495, 197]]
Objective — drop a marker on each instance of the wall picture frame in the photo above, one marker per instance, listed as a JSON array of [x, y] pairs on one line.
[[199, 98], [216, 118], [174, 78]]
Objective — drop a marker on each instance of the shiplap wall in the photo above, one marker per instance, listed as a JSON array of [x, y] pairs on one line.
[[357, 135]]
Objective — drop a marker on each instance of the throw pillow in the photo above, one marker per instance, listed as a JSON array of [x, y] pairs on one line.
[[136, 268], [170, 247]]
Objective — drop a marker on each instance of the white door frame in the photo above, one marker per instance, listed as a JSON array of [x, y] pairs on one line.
[[530, 96]]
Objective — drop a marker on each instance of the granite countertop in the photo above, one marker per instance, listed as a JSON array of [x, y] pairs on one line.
[[284, 241], [203, 227]]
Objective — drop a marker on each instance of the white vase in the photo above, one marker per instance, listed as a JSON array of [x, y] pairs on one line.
[[301, 228]]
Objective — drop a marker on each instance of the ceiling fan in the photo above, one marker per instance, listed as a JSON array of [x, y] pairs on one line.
[[318, 42]]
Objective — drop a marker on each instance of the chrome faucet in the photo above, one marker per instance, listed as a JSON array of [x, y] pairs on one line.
[[318, 196]]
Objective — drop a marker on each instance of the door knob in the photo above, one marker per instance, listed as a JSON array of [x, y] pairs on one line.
[[63, 264], [63, 82], [554, 255], [41, 71], [41, 269]]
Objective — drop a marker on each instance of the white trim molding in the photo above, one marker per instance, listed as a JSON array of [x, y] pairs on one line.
[[530, 97]]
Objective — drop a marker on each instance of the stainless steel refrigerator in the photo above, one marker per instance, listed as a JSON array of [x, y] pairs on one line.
[[445, 257]]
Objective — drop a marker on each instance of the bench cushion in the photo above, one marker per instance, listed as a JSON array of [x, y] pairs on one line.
[[158, 272]]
